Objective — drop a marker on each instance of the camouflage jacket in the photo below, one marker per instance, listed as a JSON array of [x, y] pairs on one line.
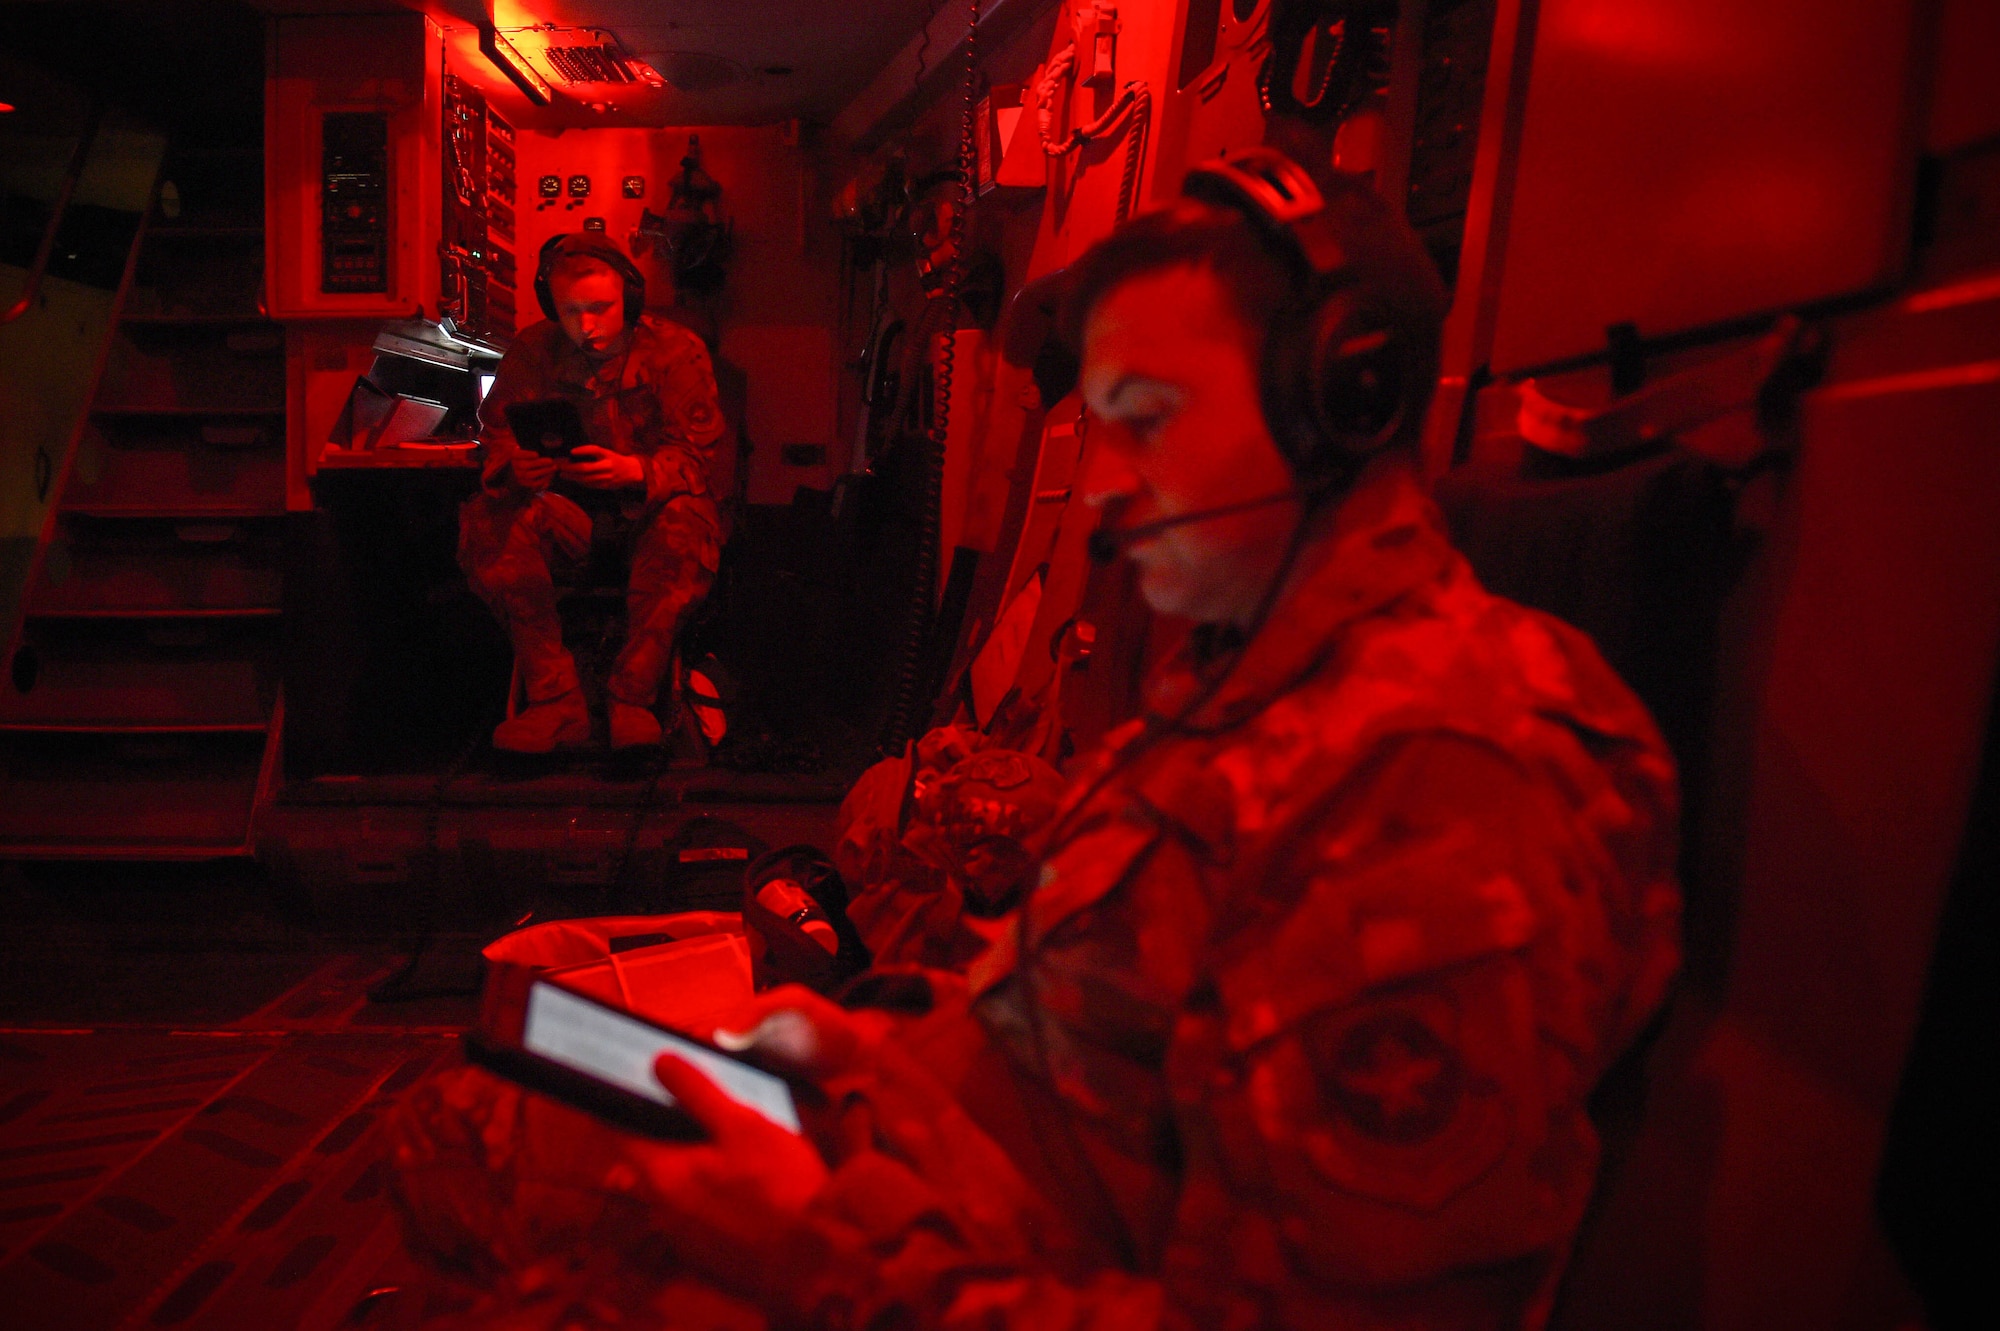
[[1328, 950], [655, 401]]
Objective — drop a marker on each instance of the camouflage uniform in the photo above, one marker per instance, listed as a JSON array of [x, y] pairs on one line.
[[655, 401], [1297, 1029]]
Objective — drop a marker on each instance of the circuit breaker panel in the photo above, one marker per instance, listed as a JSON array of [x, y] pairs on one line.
[[477, 270], [500, 243]]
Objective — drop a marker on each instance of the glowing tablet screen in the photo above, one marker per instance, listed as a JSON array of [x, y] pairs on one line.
[[615, 1048]]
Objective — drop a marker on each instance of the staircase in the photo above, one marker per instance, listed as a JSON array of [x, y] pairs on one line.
[[141, 715]]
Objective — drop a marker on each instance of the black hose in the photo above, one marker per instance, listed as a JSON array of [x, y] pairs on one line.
[[914, 655], [1135, 147], [399, 987], [617, 895]]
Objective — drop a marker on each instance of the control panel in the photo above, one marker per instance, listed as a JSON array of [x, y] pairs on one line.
[[354, 202]]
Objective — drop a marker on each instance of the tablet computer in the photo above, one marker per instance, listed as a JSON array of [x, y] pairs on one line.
[[600, 1059], [549, 426]]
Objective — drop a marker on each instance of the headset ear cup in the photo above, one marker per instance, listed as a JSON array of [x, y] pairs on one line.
[[1356, 381], [635, 290], [544, 264], [1332, 387]]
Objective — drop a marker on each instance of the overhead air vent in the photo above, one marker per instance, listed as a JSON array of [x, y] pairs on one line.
[[597, 62]]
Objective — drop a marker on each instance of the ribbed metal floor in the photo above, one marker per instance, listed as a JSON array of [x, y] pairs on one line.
[[222, 1175], [193, 1079]]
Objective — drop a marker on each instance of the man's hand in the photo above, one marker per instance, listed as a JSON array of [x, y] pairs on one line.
[[794, 1030], [601, 469], [728, 1203], [532, 471]]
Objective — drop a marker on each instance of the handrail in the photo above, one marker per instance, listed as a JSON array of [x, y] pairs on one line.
[[46, 250]]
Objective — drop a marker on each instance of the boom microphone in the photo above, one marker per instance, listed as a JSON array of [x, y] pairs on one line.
[[1107, 543]]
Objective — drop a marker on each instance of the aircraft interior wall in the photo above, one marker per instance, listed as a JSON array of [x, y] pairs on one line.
[[1719, 383]]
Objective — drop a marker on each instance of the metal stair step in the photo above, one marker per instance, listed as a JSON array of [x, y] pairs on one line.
[[110, 675], [128, 796], [135, 466], [135, 567]]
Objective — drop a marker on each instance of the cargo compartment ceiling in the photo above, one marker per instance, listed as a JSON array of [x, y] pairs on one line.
[[723, 62]]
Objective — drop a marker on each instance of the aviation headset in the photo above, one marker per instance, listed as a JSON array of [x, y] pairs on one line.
[[583, 244], [1339, 379]]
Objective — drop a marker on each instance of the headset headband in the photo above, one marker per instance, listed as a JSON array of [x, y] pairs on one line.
[[1277, 196]]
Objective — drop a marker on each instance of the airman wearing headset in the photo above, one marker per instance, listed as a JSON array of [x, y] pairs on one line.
[[1296, 1024], [646, 393]]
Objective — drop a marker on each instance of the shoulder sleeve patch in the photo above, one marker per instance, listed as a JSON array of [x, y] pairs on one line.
[[1391, 1100]]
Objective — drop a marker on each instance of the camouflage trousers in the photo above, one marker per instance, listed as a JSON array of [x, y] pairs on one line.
[[513, 550]]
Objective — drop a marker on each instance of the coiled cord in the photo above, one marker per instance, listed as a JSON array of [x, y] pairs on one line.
[[896, 731]]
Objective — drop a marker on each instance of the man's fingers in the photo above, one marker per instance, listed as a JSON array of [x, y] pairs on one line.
[[788, 1013], [744, 1017], [788, 1037], [792, 1027], [702, 1098], [599, 472]]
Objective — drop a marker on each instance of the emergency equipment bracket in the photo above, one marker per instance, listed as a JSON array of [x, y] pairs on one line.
[[1767, 375]]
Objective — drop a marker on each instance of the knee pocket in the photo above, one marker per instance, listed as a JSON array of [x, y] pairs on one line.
[[508, 574]]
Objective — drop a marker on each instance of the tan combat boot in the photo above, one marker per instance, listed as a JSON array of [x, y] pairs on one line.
[[632, 727], [560, 723]]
